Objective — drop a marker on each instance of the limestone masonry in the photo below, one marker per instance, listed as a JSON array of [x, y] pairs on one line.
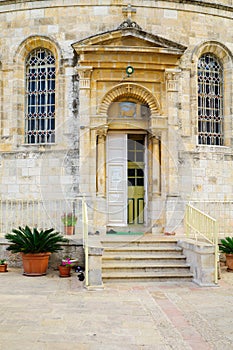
[[139, 143]]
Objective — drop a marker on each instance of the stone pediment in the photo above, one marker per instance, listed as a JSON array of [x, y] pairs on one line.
[[128, 35]]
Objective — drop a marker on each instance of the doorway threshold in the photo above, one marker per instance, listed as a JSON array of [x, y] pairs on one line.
[[124, 233]]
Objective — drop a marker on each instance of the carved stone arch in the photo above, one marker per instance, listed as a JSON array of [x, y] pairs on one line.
[[218, 49], [129, 90], [33, 42]]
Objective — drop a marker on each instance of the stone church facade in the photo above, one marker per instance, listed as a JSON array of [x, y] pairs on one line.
[[127, 104]]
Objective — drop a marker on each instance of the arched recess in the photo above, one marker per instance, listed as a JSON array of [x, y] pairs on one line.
[[129, 90], [27, 46], [218, 49], [33, 42], [224, 55]]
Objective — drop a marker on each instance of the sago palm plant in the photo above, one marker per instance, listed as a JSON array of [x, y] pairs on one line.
[[226, 245], [31, 241]]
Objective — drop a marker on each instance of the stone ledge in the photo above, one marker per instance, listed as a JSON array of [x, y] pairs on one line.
[[199, 3], [73, 248], [200, 257], [198, 247]]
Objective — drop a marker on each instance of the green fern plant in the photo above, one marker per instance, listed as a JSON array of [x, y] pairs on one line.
[[27, 240], [226, 245]]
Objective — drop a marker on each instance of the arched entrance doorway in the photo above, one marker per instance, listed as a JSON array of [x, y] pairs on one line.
[[127, 163]]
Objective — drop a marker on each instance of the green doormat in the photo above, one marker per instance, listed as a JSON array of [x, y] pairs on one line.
[[112, 232]]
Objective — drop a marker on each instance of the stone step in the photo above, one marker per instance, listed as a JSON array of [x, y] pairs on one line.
[[144, 259], [140, 268], [142, 250], [146, 276], [164, 259], [139, 243]]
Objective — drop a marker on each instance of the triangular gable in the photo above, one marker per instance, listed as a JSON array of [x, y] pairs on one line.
[[131, 35]]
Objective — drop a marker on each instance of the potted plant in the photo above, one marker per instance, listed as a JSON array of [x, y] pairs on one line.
[[3, 265], [35, 247], [65, 267], [69, 220], [226, 246]]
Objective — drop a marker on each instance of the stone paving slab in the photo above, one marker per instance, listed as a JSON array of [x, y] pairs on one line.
[[43, 313]]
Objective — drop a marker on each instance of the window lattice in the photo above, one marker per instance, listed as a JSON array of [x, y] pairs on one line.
[[40, 97], [210, 101]]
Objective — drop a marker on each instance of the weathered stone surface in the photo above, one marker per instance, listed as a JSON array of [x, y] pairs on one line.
[[200, 256], [93, 43]]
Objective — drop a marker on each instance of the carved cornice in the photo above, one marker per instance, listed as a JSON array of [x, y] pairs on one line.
[[199, 3]]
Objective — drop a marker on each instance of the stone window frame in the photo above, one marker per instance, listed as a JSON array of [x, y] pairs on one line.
[[19, 104], [224, 55], [210, 103], [40, 95]]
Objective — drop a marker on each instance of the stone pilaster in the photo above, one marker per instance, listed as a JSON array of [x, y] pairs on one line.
[[172, 76], [101, 161], [155, 182], [85, 136], [173, 205]]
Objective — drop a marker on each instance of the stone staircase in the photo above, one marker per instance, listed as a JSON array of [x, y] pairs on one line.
[[147, 258]]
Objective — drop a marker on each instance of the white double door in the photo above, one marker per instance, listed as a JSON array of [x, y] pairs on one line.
[[117, 179]]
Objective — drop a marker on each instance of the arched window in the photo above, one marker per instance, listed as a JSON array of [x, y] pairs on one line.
[[210, 101], [40, 97]]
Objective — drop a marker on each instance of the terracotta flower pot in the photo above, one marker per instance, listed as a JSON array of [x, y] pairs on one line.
[[3, 268], [69, 230], [229, 261], [35, 264], [64, 271]]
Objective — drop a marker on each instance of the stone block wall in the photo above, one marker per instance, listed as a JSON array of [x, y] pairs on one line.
[[190, 172], [200, 256], [74, 249]]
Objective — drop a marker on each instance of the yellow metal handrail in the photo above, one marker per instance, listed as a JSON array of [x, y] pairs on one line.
[[204, 226], [85, 240]]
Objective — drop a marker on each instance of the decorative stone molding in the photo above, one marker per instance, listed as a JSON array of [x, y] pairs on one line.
[[214, 47], [199, 3], [85, 77], [138, 92], [172, 76], [155, 134], [32, 43], [128, 23], [127, 28], [158, 123], [102, 130]]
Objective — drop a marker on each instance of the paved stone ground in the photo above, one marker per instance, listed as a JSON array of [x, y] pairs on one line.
[[38, 313]]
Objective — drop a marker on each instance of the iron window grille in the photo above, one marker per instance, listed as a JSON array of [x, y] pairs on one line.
[[40, 97], [210, 101]]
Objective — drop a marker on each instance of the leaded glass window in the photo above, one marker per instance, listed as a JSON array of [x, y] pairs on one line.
[[40, 97], [210, 101]]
